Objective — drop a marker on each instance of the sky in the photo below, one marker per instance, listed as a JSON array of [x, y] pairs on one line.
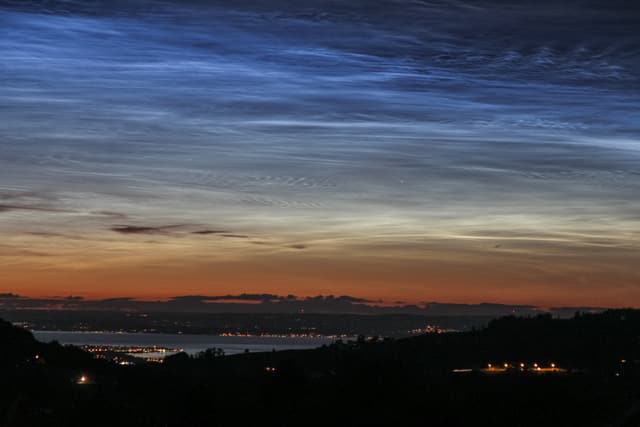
[[453, 151]]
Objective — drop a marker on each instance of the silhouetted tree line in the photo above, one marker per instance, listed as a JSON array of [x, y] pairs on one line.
[[405, 381]]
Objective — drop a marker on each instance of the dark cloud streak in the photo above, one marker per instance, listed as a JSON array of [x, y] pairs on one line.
[[139, 229], [206, 232]]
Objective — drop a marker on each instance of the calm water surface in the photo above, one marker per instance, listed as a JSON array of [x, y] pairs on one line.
[[189, 343]]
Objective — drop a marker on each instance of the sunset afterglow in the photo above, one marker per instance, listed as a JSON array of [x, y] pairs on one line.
[[414, 154]]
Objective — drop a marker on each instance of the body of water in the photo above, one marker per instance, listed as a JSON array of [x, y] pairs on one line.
[[190, 343]]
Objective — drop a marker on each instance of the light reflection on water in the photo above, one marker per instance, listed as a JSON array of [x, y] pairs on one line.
[[190, 343]]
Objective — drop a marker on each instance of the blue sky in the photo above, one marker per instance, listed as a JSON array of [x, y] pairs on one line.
[[474, 149]]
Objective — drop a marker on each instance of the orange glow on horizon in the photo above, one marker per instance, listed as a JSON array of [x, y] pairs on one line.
[[438, 271]]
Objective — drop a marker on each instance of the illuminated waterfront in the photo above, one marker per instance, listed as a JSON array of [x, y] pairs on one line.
[[191, 344]]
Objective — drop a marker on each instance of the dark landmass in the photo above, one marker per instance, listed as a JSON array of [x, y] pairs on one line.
[[277, 304], [257, 314], [390, 325], [432, 379]]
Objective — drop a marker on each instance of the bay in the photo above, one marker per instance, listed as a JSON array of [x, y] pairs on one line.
[[191, 344]]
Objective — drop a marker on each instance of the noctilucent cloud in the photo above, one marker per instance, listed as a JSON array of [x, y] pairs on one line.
[[459, 151]]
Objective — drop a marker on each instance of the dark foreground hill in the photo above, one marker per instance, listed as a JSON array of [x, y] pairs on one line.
[[515, 372]]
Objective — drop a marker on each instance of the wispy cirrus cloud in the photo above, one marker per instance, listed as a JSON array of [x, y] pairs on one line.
[[388, 129], [24, 207]]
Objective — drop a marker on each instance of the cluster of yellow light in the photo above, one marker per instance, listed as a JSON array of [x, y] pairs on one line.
[[288, 335], [429, 329], [522, 366], [126, 349]]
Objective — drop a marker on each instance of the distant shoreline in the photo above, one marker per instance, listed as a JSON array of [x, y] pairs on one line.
[[190, 343]]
